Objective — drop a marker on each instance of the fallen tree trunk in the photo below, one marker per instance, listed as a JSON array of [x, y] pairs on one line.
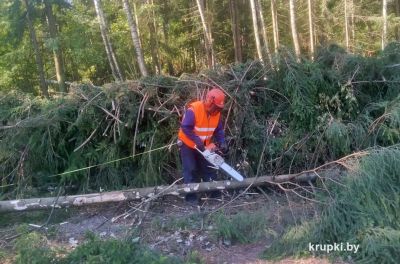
[[143, 193]]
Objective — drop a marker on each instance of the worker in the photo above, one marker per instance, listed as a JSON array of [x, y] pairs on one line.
[[201, 124]]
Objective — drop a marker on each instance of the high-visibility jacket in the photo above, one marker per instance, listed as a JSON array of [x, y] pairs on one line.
[[204, 127]]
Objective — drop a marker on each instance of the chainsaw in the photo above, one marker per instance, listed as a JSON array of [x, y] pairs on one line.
[[218, 162]]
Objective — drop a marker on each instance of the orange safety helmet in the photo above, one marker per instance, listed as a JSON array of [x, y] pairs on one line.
[[215, 97]]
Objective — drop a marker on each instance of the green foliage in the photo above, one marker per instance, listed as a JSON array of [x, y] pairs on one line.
[[77, 131], [294, 242], [191, 221], [240, 227], [95, 250], [278, 121], [32, 248], [194, 258], [367, 215], [37, 217], [3, 255]]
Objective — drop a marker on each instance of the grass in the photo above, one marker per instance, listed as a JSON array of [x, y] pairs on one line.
[[364, 212], [34, 217], [192, 221], [241, 227], [34, 248]]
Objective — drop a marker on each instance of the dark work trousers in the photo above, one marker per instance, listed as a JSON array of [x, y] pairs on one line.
[[195, 165]]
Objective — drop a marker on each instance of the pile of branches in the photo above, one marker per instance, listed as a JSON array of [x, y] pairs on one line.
[[278, 119]]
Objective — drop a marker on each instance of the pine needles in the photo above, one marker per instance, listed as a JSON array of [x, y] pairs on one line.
[[364, 213], [287, 119]]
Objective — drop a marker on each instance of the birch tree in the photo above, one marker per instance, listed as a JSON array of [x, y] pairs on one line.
[[57, 52], [294, 29], [264, 30], [385, 24], [107, 43], [135, 38], [35, 45], [274, 15], [207, 35], [311, 28], [353, 25], [255, 29], [398, 16], [346, 26]]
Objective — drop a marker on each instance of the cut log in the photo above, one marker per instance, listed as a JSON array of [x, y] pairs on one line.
[[144, 193]]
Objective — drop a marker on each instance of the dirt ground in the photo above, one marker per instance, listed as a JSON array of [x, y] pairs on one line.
[[174, 228]]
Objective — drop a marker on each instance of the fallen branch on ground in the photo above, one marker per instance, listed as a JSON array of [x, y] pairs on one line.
[[145, 193]]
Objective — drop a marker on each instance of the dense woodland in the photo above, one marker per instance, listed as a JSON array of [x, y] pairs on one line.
[[92, 92], [49, 41]]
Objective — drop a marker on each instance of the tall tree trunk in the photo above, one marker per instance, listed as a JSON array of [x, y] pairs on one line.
[[353, 26], [255, 29], [107, 43], [35, 45], [264, 31], [275, 29], [166, 11], [385, 24], [135, 39], [153, 38], [294, 29], [207, 35], [137, 22], [57, 51], [398, 16], [311, 28], [235, 31], [346, 26]]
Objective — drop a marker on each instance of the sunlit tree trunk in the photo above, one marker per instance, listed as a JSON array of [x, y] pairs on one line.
[[107, 43], [135, 38], [346, 26], [353, 26], [385, 24], [294, 29], [255, 29], [264, 30], [235, 31], [35, 45], [275, 29], [57, 52], [207, 35], [398, 16], [137, 22], [311, 28]]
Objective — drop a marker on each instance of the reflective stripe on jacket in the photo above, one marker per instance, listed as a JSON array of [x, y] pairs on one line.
[[204, 126]]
